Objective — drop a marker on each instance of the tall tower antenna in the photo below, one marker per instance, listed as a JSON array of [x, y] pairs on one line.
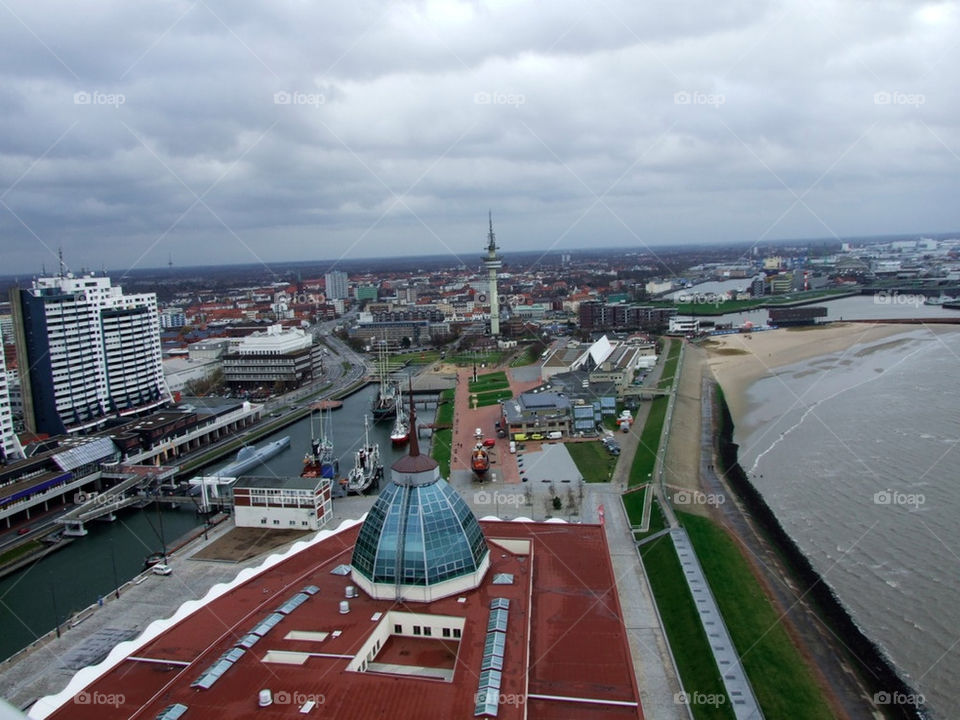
[[60, 256], [493, 263]]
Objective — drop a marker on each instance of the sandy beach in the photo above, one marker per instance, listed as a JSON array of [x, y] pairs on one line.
[[737, 361]]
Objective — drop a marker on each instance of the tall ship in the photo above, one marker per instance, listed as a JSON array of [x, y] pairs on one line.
[[321, 460], [385, 401], [250, 456], [479, 460], [401, 426], [367, 468]]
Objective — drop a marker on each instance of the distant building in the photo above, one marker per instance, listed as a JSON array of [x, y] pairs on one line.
[[282, 503], [367, 292], [9, 445], [758, 288], [288, 358], [210, 349], [806, 315], [336, 284], [600, 316], [780, 283], [86, 352], [684, 326], [172, 318]]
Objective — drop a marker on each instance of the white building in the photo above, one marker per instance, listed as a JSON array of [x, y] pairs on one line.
[[282, 503], [683, 326], [86, 352], [336, 284], [9, 445]]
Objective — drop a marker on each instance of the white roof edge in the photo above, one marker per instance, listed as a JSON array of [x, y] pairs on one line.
[[83, 677], [523, 518]]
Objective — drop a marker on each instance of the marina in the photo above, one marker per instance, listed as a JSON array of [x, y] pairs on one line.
[[31, 594]]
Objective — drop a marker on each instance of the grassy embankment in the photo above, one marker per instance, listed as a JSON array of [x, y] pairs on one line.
[[781, 678], [592, 459], [443, 438]]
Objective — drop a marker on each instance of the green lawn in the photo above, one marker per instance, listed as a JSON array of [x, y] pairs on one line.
[[688, 642], [645, 459], [422, 358], [493, 397], [781, 679], [592, 459], [633, 504], [490, 358], [490, 381], [440, 450], [11, 555]]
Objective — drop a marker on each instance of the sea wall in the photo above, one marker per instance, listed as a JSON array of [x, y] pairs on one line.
[[872, 664]]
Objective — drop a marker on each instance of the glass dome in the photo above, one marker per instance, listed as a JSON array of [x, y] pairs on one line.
[[419, 535]]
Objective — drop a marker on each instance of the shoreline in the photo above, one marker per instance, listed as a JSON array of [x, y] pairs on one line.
[[882, 676], [735, 363]]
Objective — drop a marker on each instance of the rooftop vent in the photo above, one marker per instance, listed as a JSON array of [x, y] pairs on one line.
[[344, 607]]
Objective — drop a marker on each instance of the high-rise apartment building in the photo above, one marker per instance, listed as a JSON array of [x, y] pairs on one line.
[[336, 282], [86, 352], [9, 445]]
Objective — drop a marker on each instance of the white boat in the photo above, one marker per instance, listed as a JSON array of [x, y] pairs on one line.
[[401, 427], [367, 468]]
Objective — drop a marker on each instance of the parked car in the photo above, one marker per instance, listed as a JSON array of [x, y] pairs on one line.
[[161, 569], [489, 442]]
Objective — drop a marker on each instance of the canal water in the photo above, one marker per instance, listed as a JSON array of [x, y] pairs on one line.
[[78, 575]]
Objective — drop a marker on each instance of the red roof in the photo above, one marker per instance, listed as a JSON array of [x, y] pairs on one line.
[[565, 640]]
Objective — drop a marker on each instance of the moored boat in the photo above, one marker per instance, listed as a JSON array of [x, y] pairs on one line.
[[479, 460], [401, 427], [367, 468]]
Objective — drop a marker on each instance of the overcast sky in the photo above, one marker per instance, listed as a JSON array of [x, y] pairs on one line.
[[235, 132]]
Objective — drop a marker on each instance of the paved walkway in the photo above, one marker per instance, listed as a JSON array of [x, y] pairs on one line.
[[744, 702], [652, 662]]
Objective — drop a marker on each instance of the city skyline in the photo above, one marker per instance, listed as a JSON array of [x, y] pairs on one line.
[[291, 133]]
